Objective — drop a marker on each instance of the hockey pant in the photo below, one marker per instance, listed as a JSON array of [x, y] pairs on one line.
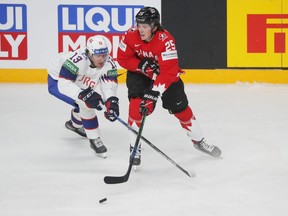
[[90, 122]]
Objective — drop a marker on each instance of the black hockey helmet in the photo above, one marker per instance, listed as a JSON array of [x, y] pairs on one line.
[[149, 15]]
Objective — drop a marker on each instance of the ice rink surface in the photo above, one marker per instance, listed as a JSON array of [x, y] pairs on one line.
[[49, 171]]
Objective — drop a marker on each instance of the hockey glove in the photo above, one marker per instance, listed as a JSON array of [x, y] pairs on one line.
[[147, 63], [149, 101], [112, 108], [91, 98]]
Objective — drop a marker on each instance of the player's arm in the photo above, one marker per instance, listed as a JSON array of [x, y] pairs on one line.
[[126, 55], [108, 86], [108, 79], [128, 60], [68, 74], [168, 65]]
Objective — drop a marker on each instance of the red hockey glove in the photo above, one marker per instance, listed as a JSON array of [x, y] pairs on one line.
[[112, 108], [149, 101], [147, 63], [91, 98]]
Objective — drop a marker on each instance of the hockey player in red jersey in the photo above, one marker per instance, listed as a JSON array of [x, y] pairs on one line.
[[148, 49]]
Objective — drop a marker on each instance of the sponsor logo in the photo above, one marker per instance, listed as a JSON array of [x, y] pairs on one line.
[[257, 36], [150, 97], [76, 23], [169, 55], [258, 26], [112, 72], [71, 67], [13, 32]]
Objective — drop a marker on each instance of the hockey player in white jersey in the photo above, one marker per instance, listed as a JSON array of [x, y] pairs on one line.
[[73, 77]]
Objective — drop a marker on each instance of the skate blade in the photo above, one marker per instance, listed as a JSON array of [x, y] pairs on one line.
[[80, 134], [102, 155]]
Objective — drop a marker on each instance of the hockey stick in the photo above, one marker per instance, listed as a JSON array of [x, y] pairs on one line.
[[122, 179], [155, 148]]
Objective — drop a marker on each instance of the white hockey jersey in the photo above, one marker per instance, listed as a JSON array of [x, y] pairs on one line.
[[74, 74]]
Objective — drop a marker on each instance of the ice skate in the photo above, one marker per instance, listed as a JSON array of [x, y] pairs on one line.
[[208, 149], [79, 131], [137, 158], [98, 146]]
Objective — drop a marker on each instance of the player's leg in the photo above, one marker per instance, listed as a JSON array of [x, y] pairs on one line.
[[175, 100], [75, 123], [134, 120], [91, 126], [136, 85]]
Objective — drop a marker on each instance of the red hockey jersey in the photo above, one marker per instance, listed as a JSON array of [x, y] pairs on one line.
[[161, 48]]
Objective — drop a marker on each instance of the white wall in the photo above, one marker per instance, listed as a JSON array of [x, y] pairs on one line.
[[50, 26]]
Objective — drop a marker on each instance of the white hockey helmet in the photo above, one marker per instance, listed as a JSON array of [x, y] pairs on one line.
[[96, 45]]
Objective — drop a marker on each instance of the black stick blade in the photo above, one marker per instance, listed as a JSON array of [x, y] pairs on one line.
[[115, 179], [118, 179], [122, 179]]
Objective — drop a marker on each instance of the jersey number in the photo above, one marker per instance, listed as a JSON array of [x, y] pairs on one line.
[[170, 45], [77, 59]]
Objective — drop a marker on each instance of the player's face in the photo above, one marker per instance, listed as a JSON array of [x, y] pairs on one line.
[[99, 60], [145, 31]]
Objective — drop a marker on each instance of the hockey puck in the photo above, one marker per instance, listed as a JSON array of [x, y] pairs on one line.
[[102, 200]]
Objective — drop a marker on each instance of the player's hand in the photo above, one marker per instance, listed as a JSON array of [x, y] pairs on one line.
[[147, 64], [91, 98], [112, 108], [149, 101]]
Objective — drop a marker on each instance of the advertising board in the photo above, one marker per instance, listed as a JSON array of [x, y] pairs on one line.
[[33, 32], [257, 33]]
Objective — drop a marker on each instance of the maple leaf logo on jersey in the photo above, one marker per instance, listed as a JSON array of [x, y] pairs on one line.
[[160, 88], [162, 36]]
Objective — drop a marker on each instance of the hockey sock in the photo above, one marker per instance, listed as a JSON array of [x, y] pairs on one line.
[[189, 123], [134, 113], [90, 123], [75, 118], [134, 119]]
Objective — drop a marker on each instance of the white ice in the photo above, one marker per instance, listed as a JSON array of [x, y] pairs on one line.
[[46, 170]]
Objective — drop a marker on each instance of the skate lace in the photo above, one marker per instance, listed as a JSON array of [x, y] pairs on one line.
[[206, 147], [98, 142], [138, 151]]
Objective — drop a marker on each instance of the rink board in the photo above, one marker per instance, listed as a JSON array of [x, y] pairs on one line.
[[191, 76]]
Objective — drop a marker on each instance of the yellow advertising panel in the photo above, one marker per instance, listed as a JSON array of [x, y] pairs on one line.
[[257, 33]]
